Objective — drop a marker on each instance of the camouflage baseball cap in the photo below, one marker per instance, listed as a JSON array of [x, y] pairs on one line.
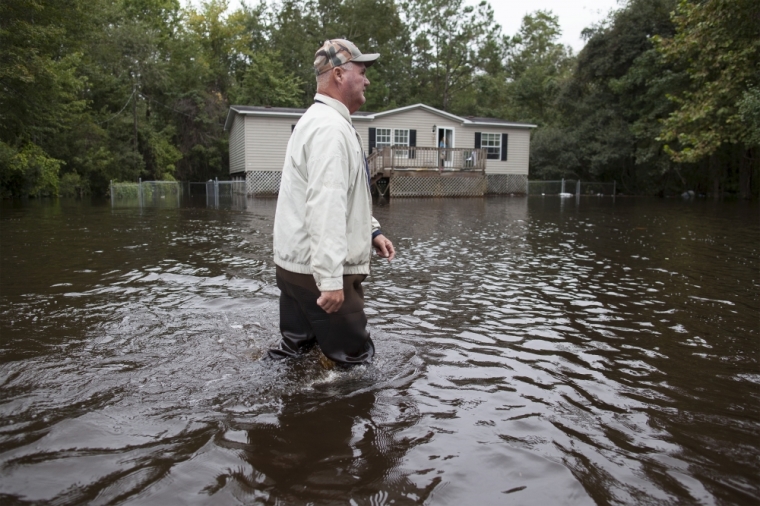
[[337, 52]]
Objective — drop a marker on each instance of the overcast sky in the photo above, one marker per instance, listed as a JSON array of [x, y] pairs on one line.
[[574, 15]]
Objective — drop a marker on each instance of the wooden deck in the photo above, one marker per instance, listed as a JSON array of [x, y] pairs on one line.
[[426, 162]]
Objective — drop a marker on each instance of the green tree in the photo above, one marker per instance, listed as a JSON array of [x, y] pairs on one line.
[[447, 36], [260, 76], [749, 111], [536, 66], [266, 82], [718, 43], [128, 65], [609, 111], [203, 56], [489, 94], [294, 31], [39, 89], [373, 25], [28, 171]]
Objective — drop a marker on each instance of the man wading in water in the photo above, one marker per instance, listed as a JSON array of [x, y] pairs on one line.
[[323, 227]]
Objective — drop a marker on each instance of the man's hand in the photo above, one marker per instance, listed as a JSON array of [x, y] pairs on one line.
[[384, 247], [331, 301]]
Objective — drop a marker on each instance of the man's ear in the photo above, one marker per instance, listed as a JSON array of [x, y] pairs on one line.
[[338, 74]]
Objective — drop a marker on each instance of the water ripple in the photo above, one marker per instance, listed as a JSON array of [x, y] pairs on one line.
[[529, 350]]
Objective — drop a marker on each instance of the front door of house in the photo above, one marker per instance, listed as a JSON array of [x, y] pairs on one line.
[[445, 143]]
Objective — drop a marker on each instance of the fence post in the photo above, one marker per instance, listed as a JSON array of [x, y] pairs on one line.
[[562, 190], [614, 188], [216, 192], [578, 187], [110, 191], [139, 191]]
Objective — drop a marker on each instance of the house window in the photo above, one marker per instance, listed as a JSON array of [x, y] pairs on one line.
[[386, 137], [401, 138], [492, 144], [383, 137]]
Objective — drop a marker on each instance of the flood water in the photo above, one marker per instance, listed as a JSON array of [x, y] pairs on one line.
[[529, 351]]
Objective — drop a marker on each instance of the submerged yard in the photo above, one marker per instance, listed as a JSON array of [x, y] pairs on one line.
[[530, 351]]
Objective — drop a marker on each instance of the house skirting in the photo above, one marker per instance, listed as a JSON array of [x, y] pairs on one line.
[[262, 182], [436, 186], [452, 186], [267, 183]]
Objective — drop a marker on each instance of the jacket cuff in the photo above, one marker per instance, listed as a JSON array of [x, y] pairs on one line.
[[330, 284], [376, 233]]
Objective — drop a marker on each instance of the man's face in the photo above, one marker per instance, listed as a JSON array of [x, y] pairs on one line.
[[354, 83]]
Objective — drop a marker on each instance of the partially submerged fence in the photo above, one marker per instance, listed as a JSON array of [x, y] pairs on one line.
[[146, 194], [233, 194], [214, 193], [572, 187], [225, 193]]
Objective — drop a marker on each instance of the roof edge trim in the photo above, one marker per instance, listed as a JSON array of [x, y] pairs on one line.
[[510, 125]]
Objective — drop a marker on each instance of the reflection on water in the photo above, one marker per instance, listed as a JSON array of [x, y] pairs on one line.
[[532, 351]]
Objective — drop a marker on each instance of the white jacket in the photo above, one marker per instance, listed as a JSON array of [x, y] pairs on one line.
[[323, 224]]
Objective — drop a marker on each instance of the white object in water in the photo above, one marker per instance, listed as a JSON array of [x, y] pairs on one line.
[[565, 194]]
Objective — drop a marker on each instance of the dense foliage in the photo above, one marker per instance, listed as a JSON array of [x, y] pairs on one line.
[[664, 97]]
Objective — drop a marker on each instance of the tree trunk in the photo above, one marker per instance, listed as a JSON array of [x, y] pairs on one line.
[[134, 116], [745, 175], [715, 172]]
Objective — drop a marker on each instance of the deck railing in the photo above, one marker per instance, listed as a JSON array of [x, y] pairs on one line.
[[406, 158]]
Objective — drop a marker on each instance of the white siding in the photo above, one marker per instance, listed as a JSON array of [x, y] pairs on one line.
[[237, 145], [266, 140], [415, 119], [518, 149]]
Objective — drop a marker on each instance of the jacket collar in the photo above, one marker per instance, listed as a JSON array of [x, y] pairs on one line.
[[335, 104]]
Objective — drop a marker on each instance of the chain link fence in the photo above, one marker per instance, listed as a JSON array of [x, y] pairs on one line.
[[164, 194], [146, 194], [506, 184], [572, 187], [224, 194], [267, 183]]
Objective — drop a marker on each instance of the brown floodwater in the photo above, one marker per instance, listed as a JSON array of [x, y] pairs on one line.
[[529, 351]]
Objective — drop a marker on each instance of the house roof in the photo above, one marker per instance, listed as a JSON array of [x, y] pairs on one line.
[[286, 112]]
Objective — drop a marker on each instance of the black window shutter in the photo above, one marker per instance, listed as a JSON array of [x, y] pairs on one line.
[[504, 138], [477, 140], [371, 140], [412, 142]]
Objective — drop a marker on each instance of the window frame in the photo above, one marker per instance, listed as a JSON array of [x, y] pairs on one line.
[[381, 144], [401, 153], [388, 137], [493, 148]]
